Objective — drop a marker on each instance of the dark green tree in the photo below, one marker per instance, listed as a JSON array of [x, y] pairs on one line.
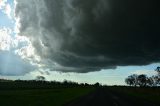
[[150, 81], [157, 77], [158, 70], [40, 78], [142, 80], [132, 80]]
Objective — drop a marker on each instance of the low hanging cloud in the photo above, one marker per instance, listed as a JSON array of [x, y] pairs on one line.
[[90, 35]]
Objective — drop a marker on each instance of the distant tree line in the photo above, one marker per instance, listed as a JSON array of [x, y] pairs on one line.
[[143, 80], [40, 83]]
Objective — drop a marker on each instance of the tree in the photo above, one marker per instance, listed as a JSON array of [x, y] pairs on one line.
[[142, 80], [97, 84], [158, 70], [128, 81], [132, 80], [157, 77], [40, 78], [150, 81], [157, 80]]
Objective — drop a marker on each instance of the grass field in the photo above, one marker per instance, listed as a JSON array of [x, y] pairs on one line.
[[148, 93], [40, 93], [41, 97]]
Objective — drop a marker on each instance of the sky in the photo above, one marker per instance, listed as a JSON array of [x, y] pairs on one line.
[[79, 40]]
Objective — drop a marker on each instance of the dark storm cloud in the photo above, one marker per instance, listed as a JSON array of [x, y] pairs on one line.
[[89, 35]]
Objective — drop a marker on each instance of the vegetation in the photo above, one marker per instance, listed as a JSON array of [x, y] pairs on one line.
[[150, 94], [40, 93], [54, 93], [41, 78], [40, 84], [143, 81], [41, 97]]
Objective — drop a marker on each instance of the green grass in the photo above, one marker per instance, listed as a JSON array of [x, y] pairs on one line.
[[41, 97], [149, 94]]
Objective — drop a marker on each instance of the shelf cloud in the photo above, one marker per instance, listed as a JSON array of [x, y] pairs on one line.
[[90, 35]]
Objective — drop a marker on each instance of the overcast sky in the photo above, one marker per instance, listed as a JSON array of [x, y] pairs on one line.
[[81, 40]]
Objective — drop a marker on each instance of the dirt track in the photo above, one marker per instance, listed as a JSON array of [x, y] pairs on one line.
[[103, 97]]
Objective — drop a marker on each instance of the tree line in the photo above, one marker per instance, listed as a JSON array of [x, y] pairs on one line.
[[143, 80], [41, 83]]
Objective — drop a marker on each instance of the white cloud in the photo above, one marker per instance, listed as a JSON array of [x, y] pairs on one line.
[[5, 39], [16, 54], [6, 8], [2, 3], [27, 52], [9, 42]]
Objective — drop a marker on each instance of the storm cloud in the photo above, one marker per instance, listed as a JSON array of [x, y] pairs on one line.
[[90, 35]]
